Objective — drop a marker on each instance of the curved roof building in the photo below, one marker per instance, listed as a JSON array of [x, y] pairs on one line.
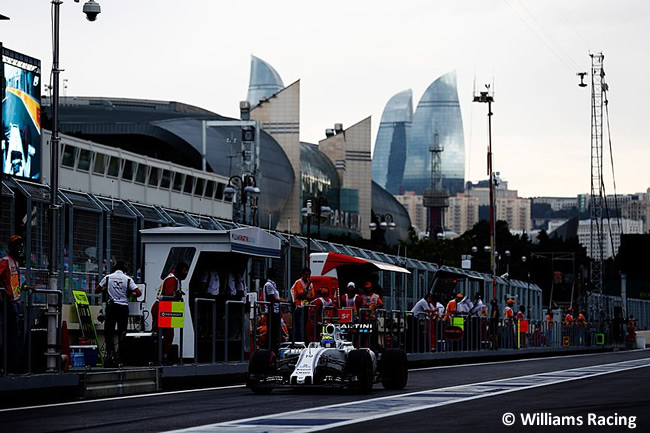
[[389, 155], [437, 119], [172, 131], [264, 81]]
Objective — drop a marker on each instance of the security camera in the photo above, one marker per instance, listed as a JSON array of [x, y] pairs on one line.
[[91, 9]]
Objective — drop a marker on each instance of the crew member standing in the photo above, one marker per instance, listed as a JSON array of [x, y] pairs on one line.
[[10, 282], [509, 329], [274, 321], [171, 287], [452, 306], [581, 323], [119, 287], [349, 298], [302, 294], [321, 311]]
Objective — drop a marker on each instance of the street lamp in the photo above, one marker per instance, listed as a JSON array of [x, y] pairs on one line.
[[486, 97], [249, 193], [384, 222], [315, 206], [91, 9]]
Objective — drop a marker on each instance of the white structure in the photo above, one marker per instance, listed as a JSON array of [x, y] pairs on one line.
[[612, 230], [114, 173]]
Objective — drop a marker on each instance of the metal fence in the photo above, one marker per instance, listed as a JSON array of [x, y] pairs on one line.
[[231, 330]]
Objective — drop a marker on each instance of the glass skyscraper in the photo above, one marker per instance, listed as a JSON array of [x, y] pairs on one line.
[[389, 155], [264, 81], [437, 122]]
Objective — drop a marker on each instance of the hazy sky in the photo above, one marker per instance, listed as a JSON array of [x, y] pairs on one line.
[[353, 56]]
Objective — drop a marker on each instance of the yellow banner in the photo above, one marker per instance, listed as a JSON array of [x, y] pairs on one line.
[[80, 297]]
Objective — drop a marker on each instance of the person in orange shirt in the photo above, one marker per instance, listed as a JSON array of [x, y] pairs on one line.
[[581, 323], [568, 319], [549, 327], [452, 306], [11, 286], [368, 301], [323, 308], [567, 328], [302, 294]]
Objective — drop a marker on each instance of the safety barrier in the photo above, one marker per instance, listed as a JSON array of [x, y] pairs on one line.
[[243, 327]]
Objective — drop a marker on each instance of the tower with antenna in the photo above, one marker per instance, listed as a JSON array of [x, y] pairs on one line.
[[436, 198], [598, 89]]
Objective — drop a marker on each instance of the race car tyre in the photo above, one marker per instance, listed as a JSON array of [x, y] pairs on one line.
[[394, 369], [258, 367], [359, 364], [261, 361]]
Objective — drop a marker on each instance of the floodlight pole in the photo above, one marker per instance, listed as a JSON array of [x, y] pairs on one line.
[[486, 97], [53, 268]]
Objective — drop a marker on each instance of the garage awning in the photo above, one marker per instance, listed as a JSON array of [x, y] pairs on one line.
[[335, 260]]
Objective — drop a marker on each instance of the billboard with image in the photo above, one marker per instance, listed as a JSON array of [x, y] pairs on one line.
[[21, 115]]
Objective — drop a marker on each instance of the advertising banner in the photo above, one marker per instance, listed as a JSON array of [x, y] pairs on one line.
[[21, 115], [171, 314]]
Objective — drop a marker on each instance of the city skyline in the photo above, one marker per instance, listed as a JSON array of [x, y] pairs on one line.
[[199, 53]]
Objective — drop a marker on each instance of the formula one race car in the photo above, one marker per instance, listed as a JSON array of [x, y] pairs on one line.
[[332, 362]]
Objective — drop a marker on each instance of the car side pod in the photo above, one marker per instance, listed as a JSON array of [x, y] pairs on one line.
[[393, 368]]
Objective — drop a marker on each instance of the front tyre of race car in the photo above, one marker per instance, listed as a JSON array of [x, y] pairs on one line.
[[394, 369], [359, 364], [259, 367]]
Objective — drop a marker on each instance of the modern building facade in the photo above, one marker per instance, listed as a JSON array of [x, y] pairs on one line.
[[612, 230], [264, 81], [349, 150], [437, 122], [389, 155], [462, 213], [413, 203], [279, 116], [509, 207]]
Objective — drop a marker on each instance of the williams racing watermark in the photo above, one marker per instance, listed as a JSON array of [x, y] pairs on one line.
[[547, 419]]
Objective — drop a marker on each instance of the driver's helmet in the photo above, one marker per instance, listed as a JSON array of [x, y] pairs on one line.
[[328, 342]]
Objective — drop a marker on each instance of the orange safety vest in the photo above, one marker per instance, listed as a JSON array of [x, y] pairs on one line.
[[549, 321], [507, 313], [14, 290], [296, 290], [568, 319], [581, 320]]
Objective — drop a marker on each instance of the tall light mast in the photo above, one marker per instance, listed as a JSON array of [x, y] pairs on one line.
[[597, 244], [488, 98]]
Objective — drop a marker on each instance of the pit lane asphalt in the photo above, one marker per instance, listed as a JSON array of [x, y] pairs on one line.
[[616, 392]]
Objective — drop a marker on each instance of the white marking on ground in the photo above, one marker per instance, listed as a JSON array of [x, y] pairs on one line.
[[332, 416]]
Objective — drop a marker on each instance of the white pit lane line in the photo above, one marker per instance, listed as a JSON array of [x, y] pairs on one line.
[[314, 419]]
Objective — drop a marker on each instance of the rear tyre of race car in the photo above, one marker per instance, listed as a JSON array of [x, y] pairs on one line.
[[359, 364], [394, 369], [258, 367]]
